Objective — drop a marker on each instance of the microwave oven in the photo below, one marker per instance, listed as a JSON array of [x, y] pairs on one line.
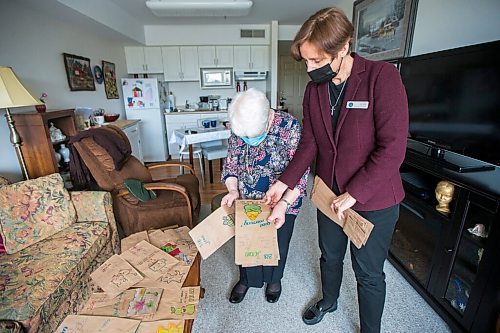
[[216, 78]]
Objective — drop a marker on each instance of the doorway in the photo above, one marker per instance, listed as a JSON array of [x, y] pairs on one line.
[[292, 80]]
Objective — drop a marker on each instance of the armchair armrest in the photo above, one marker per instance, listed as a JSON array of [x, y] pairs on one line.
[[167, 187], [170, 164]]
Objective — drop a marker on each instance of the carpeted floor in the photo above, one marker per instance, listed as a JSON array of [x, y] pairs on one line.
[[405, 311]]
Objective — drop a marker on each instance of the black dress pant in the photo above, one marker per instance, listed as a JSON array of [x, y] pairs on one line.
[[367, 263], [256, 276]]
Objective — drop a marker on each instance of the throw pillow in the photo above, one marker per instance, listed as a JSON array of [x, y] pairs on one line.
[[33, 210]]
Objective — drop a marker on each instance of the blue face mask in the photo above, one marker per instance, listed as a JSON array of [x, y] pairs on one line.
[[254, 141]]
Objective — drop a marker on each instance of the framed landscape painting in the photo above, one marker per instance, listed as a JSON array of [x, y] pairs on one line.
[[78, 72], [383, 29], [109, 73]]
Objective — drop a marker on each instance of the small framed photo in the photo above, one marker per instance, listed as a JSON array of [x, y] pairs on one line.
[[78, 72], [383, 29], [110, 86]]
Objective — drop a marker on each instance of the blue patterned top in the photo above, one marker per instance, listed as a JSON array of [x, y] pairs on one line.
[[257, 168]]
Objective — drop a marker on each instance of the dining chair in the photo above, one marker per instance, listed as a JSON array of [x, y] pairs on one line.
[[212, 150], [197, 153]]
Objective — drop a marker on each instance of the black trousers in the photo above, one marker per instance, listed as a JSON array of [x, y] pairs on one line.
[[367, 263], [256, 276]]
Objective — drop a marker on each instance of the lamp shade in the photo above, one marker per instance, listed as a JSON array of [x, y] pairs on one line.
[[12, 92], [191, 8]]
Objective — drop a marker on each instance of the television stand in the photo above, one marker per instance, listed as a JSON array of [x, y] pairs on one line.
[[447, 159], [452, 267]]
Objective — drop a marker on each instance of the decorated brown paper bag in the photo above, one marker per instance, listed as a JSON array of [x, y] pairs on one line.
[[156, 265], [214, 231], [115, 276], [180, 304], [140, 303], [128, 242], [161, 326], [356, 227], [175, 242], [256, 240], [95, 324]]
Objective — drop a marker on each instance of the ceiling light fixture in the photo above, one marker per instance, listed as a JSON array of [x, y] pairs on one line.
[[189, 8]]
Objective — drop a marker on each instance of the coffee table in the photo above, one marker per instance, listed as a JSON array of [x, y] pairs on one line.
[[192, 280]]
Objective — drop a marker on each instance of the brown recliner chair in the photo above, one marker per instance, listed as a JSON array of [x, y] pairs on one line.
[[177, 202]]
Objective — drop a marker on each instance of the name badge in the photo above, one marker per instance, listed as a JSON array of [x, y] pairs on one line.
[[357, 105]]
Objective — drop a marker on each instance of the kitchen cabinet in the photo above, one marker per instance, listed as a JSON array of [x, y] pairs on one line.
[[180, 63], [185, 120], [215, 56], [37, 147], [443, 256], [251, 57], [143, 60]]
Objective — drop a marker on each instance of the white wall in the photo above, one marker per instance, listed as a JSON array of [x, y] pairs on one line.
[[445, 24], [191, 91], [32, 44], [202, 35]]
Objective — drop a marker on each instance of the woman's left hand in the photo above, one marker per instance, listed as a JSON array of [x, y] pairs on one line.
[[278, 214], [342, 203]]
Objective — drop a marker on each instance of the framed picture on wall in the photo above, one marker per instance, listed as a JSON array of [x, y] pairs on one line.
[[110, 86], [78, 72], [383, 29]]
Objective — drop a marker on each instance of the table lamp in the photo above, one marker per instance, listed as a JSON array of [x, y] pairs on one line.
[[12, 95]]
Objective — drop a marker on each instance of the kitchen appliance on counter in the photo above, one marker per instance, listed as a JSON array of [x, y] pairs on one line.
[[203, 104], [224, 103], [213, 102], [142, 101]]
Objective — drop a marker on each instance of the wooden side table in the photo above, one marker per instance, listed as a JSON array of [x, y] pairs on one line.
[[192, 280]]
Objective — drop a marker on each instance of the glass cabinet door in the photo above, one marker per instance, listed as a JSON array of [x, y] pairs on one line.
[[472, 242], [416, 237]]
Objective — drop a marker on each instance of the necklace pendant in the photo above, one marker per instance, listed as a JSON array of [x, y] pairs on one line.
[[249, 179]]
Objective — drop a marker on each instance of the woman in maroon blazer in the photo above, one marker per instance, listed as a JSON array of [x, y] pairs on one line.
[[355, 125]]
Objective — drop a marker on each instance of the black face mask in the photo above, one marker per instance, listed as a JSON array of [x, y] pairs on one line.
[[324, 73]]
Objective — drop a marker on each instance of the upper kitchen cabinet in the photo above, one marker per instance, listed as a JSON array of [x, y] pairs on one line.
[[215, 56], [180, 63], [143, 60], [253, 57]]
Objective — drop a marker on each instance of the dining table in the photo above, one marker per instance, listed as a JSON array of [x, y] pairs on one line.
[[190, 136]]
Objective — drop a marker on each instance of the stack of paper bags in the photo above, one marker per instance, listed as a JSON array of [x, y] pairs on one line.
[[256, 241], [84, 324], [356, 227], [157, 272]]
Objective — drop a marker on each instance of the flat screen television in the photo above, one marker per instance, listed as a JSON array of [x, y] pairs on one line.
[[454, 99]]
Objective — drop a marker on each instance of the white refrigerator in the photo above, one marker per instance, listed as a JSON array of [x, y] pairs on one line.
[[142, 101]]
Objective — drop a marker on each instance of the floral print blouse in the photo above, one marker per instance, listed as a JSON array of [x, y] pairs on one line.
[[257, 168]]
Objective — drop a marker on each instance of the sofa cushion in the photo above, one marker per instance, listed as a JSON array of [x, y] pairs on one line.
[[33, 210], [35, 281]]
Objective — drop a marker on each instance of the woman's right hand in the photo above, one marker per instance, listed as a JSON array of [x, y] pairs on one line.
[[274, 194], [229, 198]]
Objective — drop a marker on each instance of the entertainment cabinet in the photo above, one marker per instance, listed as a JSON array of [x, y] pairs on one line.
[[455, 271]]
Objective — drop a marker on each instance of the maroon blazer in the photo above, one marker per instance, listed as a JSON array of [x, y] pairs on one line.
[[369, 144]]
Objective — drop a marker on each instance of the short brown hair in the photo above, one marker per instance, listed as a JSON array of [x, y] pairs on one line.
[[328, 29]]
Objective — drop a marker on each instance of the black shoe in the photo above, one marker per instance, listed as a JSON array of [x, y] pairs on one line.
[[236, 294], [273, 296], [315, 313]]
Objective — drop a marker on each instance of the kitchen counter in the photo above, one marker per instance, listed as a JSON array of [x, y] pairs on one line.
[[124, 123], [188, 111]]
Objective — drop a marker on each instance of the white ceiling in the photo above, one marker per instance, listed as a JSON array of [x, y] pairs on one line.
[[125, 19], [287, 12]]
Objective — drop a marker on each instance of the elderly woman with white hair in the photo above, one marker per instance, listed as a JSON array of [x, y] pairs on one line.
[[262, 144]]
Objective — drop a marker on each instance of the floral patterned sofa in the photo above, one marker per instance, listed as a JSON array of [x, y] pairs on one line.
[[54, 240]]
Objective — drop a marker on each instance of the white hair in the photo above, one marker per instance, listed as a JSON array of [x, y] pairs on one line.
[[249, 113]]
